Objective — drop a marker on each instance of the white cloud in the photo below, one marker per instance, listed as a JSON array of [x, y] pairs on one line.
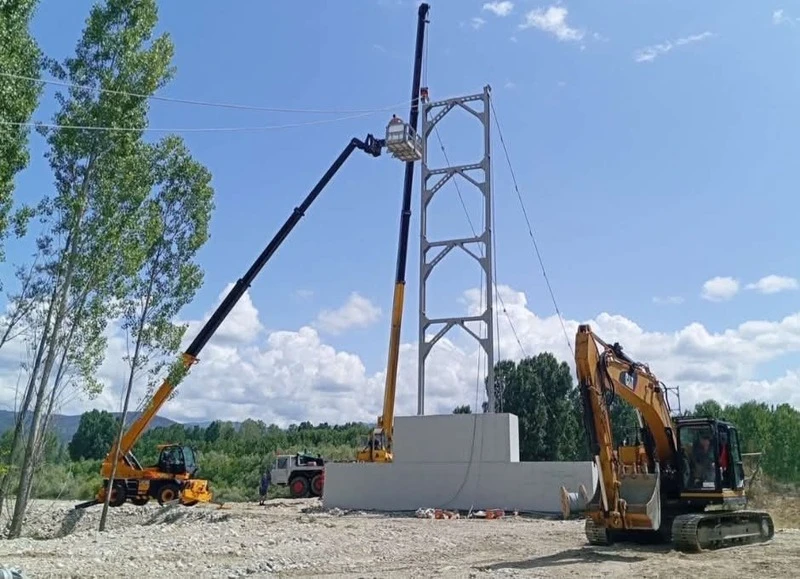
[[291, 376], [510, 84], [554, 21], [668, 300], [779, 18], [242, 326], [773, 284], [477, 22], [719, 289], [503, 8], [357, 312], [650, 53], [304, 294]]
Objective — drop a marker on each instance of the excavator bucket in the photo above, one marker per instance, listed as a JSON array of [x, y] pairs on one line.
[[642, 495]]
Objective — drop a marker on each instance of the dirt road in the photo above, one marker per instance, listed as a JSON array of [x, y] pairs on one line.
[[299, 539]]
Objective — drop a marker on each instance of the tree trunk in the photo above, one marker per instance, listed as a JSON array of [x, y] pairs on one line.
[[134, 363], [28, 462], [20, 420]]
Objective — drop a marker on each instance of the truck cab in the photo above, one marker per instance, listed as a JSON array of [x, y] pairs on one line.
[[303, 473]]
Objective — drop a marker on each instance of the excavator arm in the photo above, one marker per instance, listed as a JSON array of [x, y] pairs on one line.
[[628, 493]]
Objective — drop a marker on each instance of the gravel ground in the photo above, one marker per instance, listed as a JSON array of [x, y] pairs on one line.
[[300, 539]]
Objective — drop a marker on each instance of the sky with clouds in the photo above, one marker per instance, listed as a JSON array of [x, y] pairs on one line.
[[653, 147]]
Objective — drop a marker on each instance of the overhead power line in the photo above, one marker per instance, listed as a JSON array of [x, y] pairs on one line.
[[205, 103], [187, 129], [530, 229]]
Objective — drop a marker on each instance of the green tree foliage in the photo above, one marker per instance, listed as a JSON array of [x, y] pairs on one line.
[[92, 440], [540, 391], [19, 97], [464, 409]]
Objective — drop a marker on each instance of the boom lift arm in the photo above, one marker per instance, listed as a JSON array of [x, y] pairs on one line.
[[683, 482], [134, 479]]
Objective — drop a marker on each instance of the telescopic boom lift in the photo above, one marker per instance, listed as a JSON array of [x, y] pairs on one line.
[[172, 478]]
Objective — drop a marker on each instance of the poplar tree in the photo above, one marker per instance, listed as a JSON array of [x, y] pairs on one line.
[[174, 225], [102, 177]]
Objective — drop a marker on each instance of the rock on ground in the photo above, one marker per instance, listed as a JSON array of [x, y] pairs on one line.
[[300, 539]]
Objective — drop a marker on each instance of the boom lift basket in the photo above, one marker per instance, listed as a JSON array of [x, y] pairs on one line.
[[402, 141]]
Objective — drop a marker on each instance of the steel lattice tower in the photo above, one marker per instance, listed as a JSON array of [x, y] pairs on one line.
[[433, 112]]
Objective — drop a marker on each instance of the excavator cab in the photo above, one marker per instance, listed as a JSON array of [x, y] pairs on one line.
[[710, 461], [176, 459]]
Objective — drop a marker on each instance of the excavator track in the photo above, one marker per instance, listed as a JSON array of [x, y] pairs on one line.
[[715, 530], [595, 534]]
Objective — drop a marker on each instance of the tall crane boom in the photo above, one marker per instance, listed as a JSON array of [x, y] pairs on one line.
[[172, 478], [379, 448]]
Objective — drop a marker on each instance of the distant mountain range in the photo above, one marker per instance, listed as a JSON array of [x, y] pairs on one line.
[[65, 425]]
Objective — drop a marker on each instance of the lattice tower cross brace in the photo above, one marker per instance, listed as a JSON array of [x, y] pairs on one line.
[[443, 246]]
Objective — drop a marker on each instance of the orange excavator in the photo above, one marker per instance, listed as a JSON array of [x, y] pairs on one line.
[[682, 481]]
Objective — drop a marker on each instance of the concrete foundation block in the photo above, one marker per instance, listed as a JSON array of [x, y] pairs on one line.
[[455, 461], [401, 486]]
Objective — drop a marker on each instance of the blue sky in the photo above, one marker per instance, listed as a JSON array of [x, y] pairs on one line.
[[645, 172]]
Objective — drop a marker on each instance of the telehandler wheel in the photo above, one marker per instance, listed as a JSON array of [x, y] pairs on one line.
[[117, 495], [317, 484], [298, 487], [168, 493]]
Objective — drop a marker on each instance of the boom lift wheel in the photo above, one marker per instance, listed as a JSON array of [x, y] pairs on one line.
[[298, 487], [168, 493], [117, 495]]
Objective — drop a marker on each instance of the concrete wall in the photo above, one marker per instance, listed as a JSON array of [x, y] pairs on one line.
[[439, 463], [456, 438], [522, 486]]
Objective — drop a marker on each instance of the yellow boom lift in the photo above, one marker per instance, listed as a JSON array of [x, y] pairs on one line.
[[682, 481], [404, 143], [173, 476]]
